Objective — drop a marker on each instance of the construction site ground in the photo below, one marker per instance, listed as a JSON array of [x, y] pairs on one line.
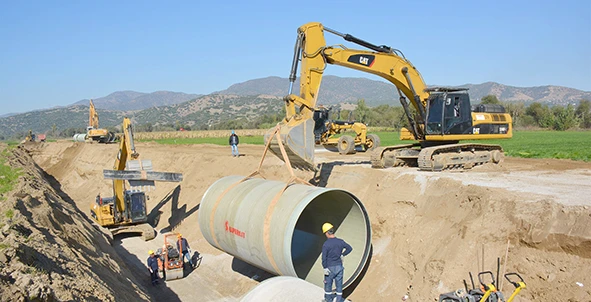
[[429, 228]]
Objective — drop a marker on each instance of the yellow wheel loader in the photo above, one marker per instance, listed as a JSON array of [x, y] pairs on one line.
[[439, 117], [325, 129], [126, 210]]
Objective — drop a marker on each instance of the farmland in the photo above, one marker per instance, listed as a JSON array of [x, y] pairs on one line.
[[574, 145]]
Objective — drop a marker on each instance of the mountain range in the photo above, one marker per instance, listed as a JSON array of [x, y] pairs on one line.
[[247, 100]]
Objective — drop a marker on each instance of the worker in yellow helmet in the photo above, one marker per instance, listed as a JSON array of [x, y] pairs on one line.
[[183, 247], [153, 267], [333, 250]]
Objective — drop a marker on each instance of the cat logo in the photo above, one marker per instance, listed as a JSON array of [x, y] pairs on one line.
[[365, 60]]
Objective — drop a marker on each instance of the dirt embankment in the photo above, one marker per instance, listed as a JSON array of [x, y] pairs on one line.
[[50, 251], [429, 229]]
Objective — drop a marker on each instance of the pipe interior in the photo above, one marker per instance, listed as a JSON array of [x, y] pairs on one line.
[[350, 221]]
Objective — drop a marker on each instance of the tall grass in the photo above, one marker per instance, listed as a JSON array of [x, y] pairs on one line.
[[8, 176]]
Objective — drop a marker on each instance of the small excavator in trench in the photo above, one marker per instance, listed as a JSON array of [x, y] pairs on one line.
[[126, 210], [439, 117]]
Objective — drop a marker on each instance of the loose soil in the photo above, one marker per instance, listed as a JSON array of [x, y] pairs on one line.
[[429, 229]]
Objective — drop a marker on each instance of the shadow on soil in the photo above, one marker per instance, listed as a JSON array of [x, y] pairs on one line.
[[324, 170], [158, 292], [250, 271], [177, 215], [143, 276]]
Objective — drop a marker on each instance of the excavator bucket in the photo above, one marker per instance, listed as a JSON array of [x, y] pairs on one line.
[[297, 136]]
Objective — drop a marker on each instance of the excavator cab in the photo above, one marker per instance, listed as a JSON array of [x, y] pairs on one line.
[[136, 203], [448, 112]]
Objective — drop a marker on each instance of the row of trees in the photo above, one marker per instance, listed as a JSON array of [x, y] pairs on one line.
[[537, 115], [534, 115]]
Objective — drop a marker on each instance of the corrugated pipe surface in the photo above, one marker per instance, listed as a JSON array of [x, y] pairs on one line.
[[284, 235]]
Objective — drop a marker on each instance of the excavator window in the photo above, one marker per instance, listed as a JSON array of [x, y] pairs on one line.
[[449, 113], [138, 206]]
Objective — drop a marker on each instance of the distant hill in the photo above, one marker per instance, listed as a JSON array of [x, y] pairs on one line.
[[211, 109], [249, 100], [132, 100], [333, 89], [204, 110], [42, 121], [336, 90]]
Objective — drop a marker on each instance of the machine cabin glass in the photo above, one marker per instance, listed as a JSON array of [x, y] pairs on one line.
[[449, 113]]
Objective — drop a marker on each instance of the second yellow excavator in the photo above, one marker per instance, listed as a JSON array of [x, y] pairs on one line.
[[439, 117], [126, 210], [93, 132]]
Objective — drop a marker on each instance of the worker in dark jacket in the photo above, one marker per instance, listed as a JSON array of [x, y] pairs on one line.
[[183, 247], [333, 250], [153, 267], [234, 143]]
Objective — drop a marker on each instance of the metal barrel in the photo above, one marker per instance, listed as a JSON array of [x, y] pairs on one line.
[[281, 233], [284, 289], [79, 137]]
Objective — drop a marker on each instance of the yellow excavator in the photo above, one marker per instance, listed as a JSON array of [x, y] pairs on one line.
[[126, 211], [93, 132], [439, 117]]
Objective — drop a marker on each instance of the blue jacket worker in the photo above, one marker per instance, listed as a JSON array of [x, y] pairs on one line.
[[333, 250], [234, 143], [153, 267], [183, 247]]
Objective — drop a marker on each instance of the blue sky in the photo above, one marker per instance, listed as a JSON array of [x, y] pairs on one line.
[[54, 53]]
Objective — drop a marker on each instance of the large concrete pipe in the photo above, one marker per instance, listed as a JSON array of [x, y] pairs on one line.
[[285, 289], [284, 235], [79, 137]]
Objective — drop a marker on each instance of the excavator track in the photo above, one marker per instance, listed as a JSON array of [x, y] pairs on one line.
[[393, 156], [458, 156], [145, 229]]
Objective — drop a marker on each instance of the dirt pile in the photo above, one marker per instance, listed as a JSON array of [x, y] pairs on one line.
[[50, 251], [429, 229]]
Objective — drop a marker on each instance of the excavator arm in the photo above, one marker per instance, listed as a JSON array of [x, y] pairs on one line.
[[126, 151], [93, 118]]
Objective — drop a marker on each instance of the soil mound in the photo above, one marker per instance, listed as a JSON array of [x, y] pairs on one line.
[[49, 250]]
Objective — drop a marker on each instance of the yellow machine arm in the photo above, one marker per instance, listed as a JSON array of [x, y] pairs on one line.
[[93, 118], [126, 151]]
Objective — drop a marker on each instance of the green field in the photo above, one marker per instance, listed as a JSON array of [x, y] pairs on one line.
[[8, 176], [575, 145]]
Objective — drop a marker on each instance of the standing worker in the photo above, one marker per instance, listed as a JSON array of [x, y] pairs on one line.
[[333, 250], [153, 267], [183, 247], [234, 143]]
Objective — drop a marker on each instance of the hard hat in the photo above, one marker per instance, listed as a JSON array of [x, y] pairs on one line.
[[326, 226], [179, 235], [151, 252], [232, 131]]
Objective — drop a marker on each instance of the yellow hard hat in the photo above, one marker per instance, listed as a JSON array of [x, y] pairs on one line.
[[151, 252], [179, 235], [326, 226]]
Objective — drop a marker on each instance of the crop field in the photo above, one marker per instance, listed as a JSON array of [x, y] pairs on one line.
[[575, 145]]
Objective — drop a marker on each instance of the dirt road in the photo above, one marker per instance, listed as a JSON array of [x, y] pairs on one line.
[[429, 229]]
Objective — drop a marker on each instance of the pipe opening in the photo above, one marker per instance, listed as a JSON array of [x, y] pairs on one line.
[[351, 224]]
